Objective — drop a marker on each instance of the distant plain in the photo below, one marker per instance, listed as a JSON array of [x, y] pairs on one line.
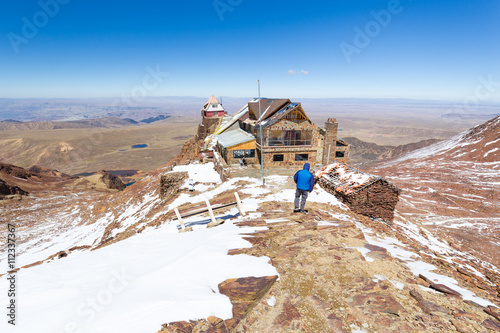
[[80, 150], [76, 151]]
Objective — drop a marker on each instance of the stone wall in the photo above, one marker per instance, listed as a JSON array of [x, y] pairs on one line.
[[208, 126], [345, 150], [288, 156], [315, 151], [171, 182], [377, 200], [330, 140], [220, 166]]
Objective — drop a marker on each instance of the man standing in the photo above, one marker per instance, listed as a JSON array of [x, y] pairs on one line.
[[305, 183]]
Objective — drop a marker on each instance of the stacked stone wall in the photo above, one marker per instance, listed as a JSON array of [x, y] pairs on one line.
[[377, 200]]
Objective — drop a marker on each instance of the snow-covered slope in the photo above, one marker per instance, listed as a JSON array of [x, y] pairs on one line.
[[141, 282]]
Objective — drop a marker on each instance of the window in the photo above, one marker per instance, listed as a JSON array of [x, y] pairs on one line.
[[238, 153], [278, 158], [301, 157], [290, 138], [339, 154], [295, 115], [248, 153]]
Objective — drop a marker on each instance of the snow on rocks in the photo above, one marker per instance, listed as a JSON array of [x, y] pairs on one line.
[[419, 267], [156, 276]]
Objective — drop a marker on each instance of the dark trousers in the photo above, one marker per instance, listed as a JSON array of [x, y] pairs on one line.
[[298, 194]]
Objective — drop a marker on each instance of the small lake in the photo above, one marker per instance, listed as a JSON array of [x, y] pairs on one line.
[[143, 145]]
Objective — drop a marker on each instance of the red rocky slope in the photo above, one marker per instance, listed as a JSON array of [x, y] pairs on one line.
[[453, 187]]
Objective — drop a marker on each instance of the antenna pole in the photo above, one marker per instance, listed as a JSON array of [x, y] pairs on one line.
[[261, 141]]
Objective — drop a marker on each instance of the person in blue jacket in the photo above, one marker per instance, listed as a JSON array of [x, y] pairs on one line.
[[305, 183]]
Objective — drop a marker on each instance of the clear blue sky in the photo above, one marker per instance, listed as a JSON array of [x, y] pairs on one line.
[[426, 49]]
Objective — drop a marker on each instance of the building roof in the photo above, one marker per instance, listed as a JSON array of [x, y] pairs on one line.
[[273, 109], [345, 178], [283, 111], [227, 124], [234, 137], [268, 106], [212, 100], [212, 105]]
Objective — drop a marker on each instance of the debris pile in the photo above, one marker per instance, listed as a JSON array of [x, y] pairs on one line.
[[364, 193]]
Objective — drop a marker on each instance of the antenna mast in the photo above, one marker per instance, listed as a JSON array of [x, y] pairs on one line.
[[261, 141]]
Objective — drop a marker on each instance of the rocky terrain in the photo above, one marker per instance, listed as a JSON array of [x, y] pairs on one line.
[[453, 189], [363, 153], [39, 180], [10, 191], [430, 270], [335, 278], [107, 181]]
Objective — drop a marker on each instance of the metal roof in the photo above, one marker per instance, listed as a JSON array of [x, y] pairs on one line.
[[268, 106], [234, 137], [227, 124], [346, 178]]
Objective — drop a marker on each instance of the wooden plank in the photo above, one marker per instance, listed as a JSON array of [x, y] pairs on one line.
[[238, 203], [205, 209], [179, 218], [243, 146], [210, 211]]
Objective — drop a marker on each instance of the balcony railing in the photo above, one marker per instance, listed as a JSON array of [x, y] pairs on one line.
[[288, 142]]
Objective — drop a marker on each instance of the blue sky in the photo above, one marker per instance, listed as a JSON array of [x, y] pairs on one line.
[[422, 49]]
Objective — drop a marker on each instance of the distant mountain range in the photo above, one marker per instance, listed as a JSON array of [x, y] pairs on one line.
[[67, 109], [107, 122]]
